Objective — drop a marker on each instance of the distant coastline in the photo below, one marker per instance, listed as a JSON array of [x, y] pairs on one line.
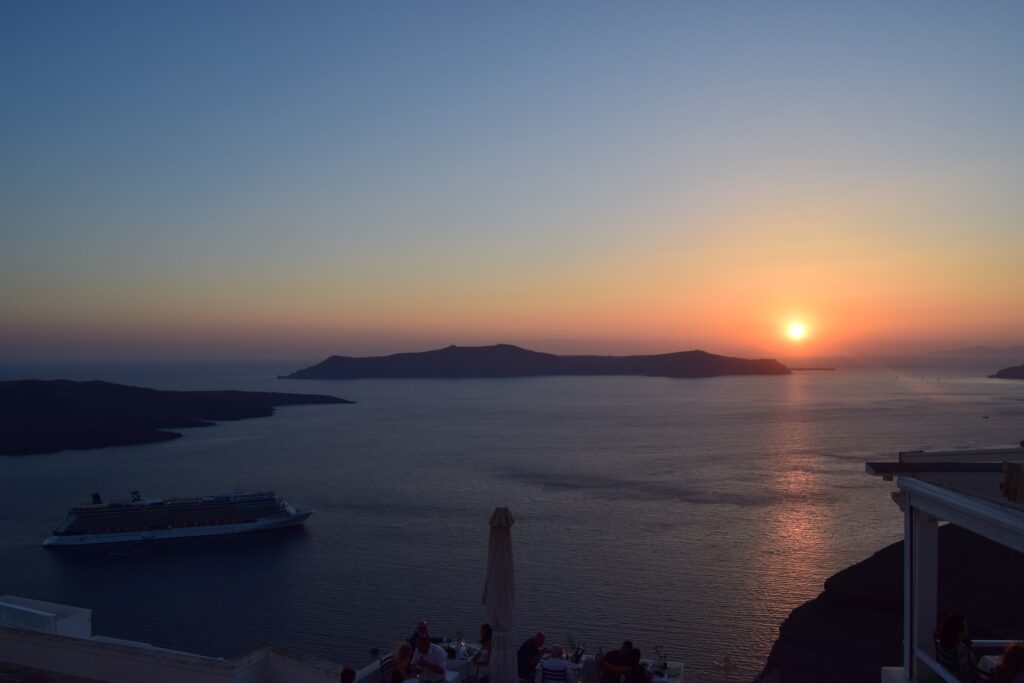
[[47, 416], [506, 360], [813, 369], [1015, 372]]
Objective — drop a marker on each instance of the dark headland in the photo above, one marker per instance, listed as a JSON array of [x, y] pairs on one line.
[[1016, 372], [855, 627], [505, 360], [38, 416]]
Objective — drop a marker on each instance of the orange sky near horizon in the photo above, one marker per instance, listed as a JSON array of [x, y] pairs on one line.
[[859, 291], [403, 178]]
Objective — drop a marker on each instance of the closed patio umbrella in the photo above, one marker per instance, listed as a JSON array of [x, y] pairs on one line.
[[499, 598]]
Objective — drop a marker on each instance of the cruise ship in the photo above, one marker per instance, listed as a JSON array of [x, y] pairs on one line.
[[144, 519]]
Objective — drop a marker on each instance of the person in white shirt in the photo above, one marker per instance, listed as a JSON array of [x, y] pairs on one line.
[[429, 661], [556, 669]]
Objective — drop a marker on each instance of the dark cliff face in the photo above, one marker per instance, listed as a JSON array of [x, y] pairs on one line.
[[504, 360], [1016, 372], [855, 627], [39, 416]]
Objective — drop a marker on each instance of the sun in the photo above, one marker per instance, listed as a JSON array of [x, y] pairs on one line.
[[796, 331]]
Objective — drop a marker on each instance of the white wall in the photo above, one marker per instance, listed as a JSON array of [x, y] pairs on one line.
[[118, 663], [113, 663]]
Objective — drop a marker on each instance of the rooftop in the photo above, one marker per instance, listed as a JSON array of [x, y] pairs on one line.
[[981, 491]]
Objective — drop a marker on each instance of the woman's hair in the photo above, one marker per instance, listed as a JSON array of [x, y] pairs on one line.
[[1012, 663], [949, 632], [485, 633], [403, 650]]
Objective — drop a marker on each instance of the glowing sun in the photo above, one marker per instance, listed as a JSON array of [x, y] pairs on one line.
[[796, 331]]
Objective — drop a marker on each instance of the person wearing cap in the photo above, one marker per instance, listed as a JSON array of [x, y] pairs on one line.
[[529, 656]]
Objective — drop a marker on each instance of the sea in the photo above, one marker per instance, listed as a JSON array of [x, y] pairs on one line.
[[688, 515]]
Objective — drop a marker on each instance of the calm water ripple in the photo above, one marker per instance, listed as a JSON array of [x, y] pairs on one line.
[[692, 514]]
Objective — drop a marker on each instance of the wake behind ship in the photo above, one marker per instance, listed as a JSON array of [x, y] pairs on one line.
[[143, 519]]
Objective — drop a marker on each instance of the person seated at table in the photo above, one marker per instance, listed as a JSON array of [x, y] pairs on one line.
[[482, 658], [401, 665], [556, 669], [955, 647], [348, 675], [429, 660], [1011, 666], [638, 673], [529, 655], [616, 663]]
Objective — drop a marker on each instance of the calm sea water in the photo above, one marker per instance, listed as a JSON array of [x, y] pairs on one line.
[[690, 514]]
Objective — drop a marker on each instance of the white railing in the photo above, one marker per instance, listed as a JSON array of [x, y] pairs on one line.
[[945, 673], [992, 643], [940, 670]]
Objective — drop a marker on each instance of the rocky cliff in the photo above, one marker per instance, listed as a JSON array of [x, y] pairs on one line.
[[855, 627]]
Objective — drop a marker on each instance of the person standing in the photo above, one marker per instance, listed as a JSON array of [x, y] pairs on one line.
[[529, 656]]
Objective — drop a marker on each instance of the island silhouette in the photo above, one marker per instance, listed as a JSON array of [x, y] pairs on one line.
[[46, 416], [506, 360], [1016, 372]]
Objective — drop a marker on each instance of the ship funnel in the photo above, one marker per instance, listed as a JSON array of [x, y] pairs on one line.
[[96, 500]]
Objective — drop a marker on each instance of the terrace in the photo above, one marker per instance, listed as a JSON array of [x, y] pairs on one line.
[[981, 491]]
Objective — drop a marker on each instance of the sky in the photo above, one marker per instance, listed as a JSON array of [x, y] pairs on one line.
[[212, 180]]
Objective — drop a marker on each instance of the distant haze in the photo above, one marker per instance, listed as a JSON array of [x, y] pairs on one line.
[[256, 180]]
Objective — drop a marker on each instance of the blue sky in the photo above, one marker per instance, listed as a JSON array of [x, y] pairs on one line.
[[194, 179]]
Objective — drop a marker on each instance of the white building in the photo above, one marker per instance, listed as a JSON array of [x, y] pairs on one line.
[[46, 638], [980, 491]]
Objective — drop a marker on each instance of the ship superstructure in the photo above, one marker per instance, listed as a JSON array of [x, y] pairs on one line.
[[144, 519]]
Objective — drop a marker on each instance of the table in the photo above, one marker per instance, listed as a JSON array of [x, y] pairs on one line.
[[988, 662], [461, 664], [673, 674]]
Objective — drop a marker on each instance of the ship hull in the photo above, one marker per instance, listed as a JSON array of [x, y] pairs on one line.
[[154, 535]]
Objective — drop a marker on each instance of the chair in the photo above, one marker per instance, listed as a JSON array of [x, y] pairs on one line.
[[984, 676], [946, 657], [550, 675], [950, 661], [385, 668]]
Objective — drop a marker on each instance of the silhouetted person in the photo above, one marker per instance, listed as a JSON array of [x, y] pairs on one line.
[[348, 675], [401, 665], [616, 663], [482, 658], [1011, 666], [957, 646], [529, 656], [637, 672]]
